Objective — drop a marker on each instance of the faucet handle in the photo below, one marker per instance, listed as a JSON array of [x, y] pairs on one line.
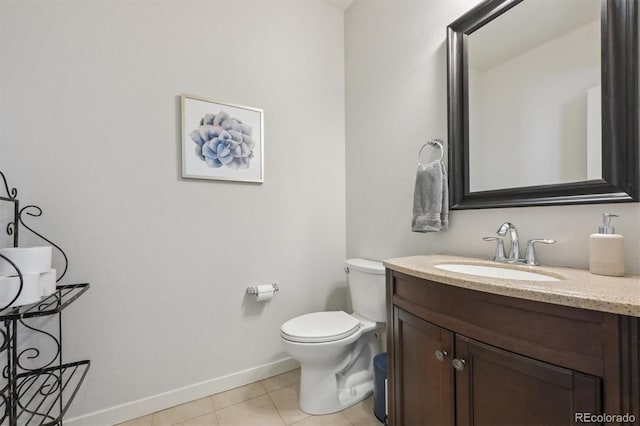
[[530, 255], [499, 256]]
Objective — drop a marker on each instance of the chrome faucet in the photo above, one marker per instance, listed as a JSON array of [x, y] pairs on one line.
[[514, 251]]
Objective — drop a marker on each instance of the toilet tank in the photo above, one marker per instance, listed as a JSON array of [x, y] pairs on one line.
[[366, 280]]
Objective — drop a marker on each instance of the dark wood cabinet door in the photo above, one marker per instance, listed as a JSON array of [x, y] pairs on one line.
[[423, 383], [497, 387]]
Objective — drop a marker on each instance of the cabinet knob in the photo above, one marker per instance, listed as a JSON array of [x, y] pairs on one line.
[[458, 364], [441, 355]]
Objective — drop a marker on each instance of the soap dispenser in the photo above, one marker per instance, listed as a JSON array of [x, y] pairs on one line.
[[606, 250]]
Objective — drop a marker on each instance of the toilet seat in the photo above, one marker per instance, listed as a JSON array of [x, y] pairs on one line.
[[320, 327]]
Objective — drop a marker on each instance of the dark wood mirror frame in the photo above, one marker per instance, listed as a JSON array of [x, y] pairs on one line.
[[620, 152]]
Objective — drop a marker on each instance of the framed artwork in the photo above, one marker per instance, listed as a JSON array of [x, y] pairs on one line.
[[221, 141]]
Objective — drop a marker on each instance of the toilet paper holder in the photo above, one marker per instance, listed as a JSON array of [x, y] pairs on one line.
[[253, 290]]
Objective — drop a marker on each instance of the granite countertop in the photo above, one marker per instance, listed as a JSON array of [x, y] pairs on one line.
[[576, 287]]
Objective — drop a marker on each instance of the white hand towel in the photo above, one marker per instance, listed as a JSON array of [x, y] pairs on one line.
[[431, 199]]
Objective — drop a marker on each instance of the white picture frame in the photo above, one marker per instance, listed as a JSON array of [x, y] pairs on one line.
[[221, 141]]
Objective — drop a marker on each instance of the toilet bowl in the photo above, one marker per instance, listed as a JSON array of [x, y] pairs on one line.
[[336, 349]]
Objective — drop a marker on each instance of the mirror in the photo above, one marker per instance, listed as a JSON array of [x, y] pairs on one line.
[[541, 88], [543, 103]]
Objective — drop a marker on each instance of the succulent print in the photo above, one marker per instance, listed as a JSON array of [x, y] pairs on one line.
[[222, 140]]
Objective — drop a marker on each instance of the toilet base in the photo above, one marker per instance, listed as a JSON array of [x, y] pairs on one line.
[[352, 381], [323, 396]]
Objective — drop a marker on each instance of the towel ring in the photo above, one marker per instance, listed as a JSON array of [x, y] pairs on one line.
[[432, 142]]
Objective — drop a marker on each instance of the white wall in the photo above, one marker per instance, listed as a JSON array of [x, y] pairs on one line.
[[396, 100], [90, 131]]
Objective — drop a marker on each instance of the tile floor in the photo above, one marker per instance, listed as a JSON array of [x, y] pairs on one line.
[[270, 402]]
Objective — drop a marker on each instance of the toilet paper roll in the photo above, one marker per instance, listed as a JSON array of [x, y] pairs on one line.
[[265, 292], [30, 260], [9, 287], [48, 282]]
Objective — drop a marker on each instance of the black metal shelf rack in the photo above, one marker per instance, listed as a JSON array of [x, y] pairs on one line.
[[38, 387]]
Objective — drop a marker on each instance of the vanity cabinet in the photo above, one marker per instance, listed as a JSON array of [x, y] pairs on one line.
[[461, 356]]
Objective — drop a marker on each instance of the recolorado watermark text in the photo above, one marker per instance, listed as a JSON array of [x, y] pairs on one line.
[[604, 418]]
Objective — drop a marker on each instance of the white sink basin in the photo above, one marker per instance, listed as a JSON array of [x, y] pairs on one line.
[[495, 272]]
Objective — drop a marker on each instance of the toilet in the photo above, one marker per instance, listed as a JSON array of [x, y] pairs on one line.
[[336, 349]]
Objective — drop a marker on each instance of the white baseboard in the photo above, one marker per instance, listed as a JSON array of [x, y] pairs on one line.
[[142, 407]]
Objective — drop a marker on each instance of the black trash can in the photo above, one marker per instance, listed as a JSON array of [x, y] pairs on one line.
[[379, 387]]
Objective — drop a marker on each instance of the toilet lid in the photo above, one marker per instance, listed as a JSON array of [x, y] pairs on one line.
[[320, 327]]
